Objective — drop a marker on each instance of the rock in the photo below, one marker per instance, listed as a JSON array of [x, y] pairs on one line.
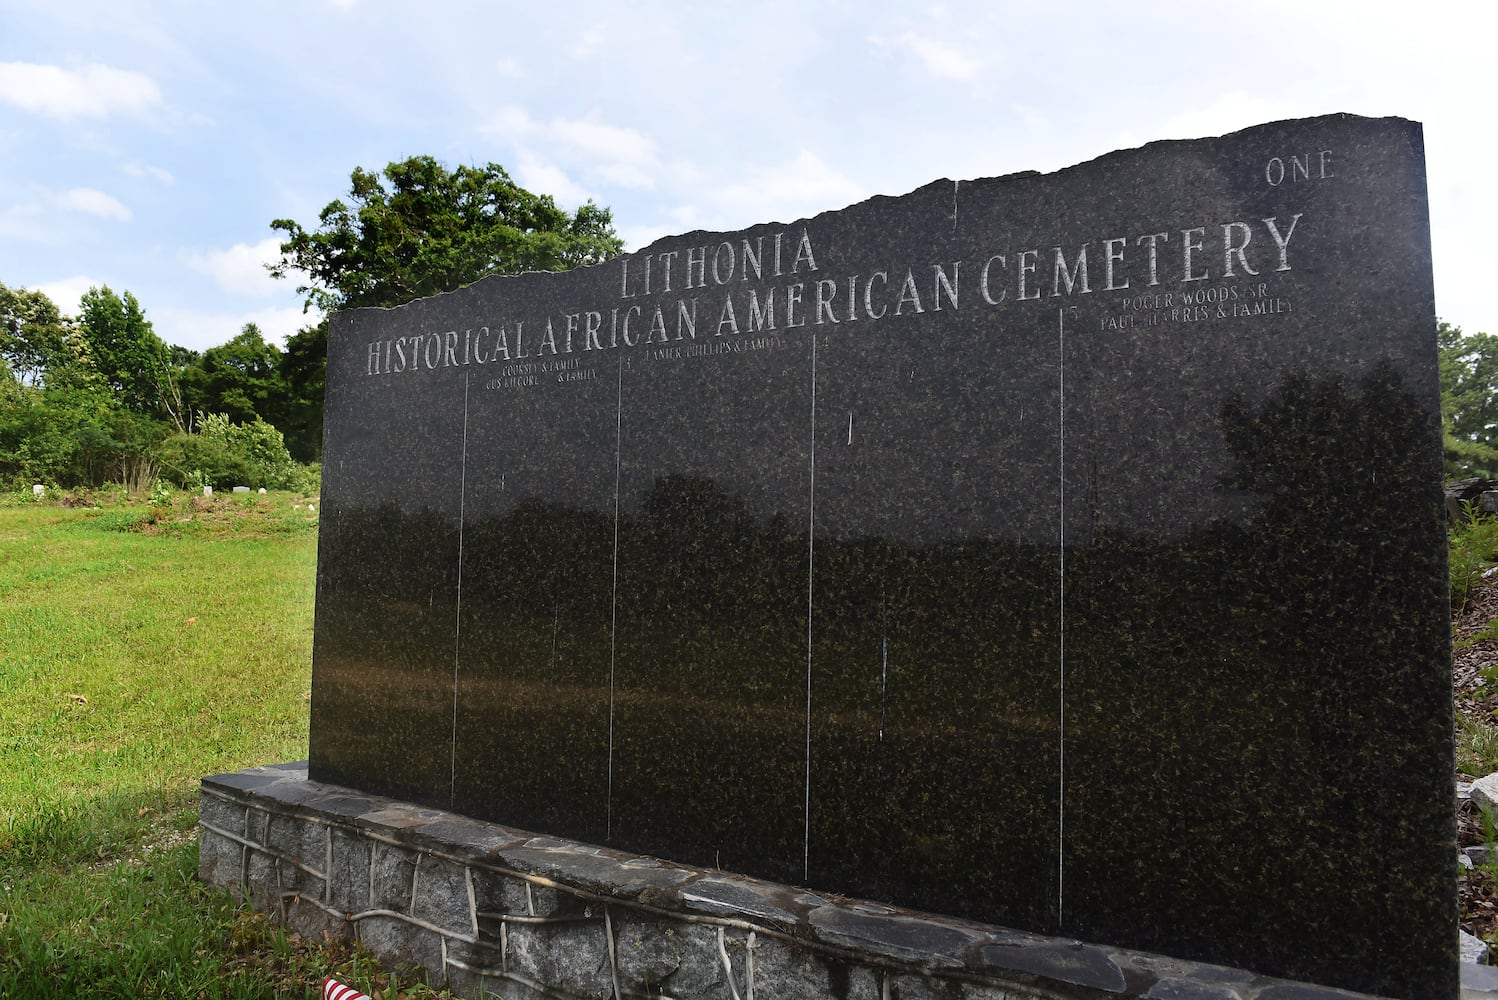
[[1480, 854], [1478, 980], [1465, 861], [1474, 949], [1485, 791]]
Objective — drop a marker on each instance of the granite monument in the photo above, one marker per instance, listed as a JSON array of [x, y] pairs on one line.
[[1062, 551]]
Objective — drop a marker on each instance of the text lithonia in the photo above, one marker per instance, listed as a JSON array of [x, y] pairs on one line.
[[772, 284]]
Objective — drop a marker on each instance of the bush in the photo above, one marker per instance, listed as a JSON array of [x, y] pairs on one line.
[[71, 438], [1473, 549], [222, 454]]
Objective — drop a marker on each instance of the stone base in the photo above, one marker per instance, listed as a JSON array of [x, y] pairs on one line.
[[491, 911]]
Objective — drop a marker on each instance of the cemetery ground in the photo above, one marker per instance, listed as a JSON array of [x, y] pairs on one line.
[[146, 644], [142, 646]]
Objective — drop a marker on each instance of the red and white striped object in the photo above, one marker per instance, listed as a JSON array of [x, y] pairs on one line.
[[334, 990]]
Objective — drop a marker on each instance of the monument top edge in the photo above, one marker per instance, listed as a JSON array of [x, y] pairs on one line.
[[709, 235]]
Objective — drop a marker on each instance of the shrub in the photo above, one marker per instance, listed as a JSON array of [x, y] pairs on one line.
[[223, 453], [1473, 548]]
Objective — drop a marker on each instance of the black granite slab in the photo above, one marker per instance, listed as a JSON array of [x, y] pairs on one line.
[[1062, 551]]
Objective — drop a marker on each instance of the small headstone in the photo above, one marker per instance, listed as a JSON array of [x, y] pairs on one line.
[[208, 491], [262, 491], [38, 490], [1479, 854], [1474, 949], [241, 489]]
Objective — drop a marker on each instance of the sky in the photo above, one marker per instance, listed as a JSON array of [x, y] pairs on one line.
[[148, 146]]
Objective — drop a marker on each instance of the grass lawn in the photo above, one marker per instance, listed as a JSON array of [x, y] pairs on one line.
[[142, 648]]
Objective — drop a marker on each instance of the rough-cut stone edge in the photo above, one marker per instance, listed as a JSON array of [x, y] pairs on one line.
[[245, 846], [1484, 791]]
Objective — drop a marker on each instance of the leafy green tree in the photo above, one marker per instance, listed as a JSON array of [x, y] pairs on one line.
[[304, 367], [128, 355], [1469, 401], [240, 379], [33, 334], [421, 228]]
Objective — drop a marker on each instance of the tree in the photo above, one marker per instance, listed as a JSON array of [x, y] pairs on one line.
[[304, 368], [128, 355], [433, 230], [33, 334], [240, 379], [1469, 401]]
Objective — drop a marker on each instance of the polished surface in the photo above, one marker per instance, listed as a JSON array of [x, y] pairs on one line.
[[1063, 551]]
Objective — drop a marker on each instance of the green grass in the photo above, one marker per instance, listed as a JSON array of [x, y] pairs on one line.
[[141, 648]]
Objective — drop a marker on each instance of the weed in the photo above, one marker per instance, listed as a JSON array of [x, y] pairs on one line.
[[1473, 549]]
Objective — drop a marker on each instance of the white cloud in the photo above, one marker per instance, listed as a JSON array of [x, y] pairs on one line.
[[146, 170], [541, 176], [605, 142], [200, 329], [1229, 113], [610, 154], [639, 237], [92, 202], [510, 122], [589, 42], [801, 186], [93, 91], [66, 292], [940, 59], [241, 268]]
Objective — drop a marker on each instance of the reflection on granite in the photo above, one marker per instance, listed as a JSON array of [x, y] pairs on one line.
[[1059, 551]]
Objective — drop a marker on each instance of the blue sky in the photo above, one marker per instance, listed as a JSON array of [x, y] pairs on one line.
[[148, 146]]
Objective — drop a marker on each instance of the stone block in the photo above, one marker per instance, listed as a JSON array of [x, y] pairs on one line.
[[299, 838], [391, 875], [571, 957], [398, 942], [222, 813], [497, 893], [263, 882], [441, 894], [256, 826], [782, 970], [311, 921], [349, 878], [658, 955], [220, 860]]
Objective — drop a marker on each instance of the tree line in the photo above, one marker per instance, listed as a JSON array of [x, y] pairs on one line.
[[100, 397]]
